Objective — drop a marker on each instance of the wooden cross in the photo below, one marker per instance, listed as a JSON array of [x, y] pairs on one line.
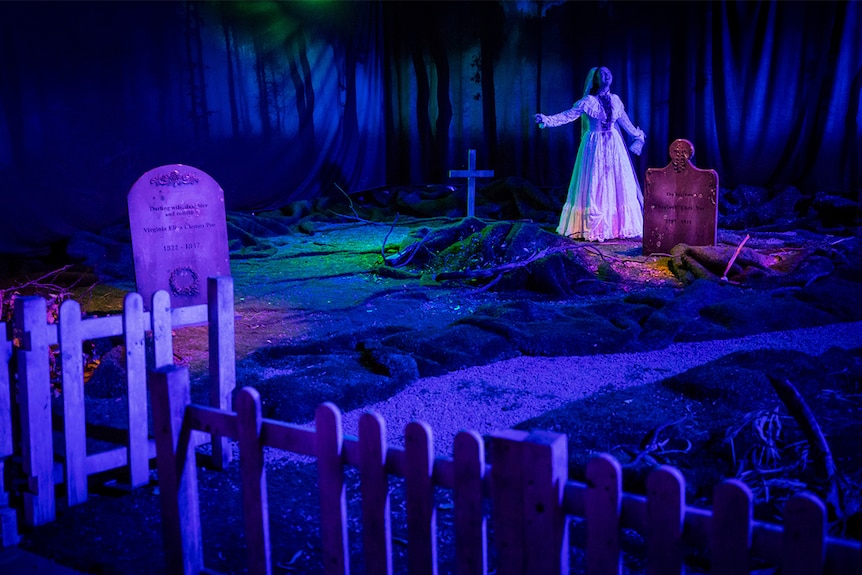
[[471, 173]]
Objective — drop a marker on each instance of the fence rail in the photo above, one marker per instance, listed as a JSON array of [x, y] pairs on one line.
[[26, 419], [527, 483]]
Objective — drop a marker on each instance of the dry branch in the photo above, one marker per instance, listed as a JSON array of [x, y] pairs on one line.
[[735, 255]]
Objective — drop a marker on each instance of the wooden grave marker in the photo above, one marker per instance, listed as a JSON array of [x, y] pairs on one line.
[[471, 173], [680, 203]]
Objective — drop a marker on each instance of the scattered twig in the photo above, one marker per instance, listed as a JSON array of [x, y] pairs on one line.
[[595, 250], [735, 255], [59, 293], [352, 218], [355, 216], [349, 199], [55, 295], [651, 441], [490, 284], [652, 445], [383, 247]]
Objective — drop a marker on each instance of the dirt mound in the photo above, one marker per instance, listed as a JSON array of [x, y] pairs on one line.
[[497, 255]]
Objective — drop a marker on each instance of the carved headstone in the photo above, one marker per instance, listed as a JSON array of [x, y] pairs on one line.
[[680, 203], [179, 233]]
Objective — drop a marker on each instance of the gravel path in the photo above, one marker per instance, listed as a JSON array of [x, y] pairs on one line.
[[500, 395]]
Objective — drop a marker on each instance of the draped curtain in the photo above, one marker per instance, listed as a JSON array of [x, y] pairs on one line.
[[286, 101], [768, 92]]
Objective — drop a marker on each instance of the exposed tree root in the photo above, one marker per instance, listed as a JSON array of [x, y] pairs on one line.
[[503, 268], [804, 417]]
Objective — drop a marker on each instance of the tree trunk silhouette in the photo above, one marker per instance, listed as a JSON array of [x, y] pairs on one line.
[[308, 121], [300, 75], [423, 98], [490, 40], [201, 68], [231, 83], [10, 94], [296, 78], [444, 109], [197, 87], [851, 160], [275, 96], [263, 95], [537, 153], [242, 95], [397, 150], [350, 121]]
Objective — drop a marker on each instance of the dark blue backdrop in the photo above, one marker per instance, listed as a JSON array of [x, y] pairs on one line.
[[280, 101]]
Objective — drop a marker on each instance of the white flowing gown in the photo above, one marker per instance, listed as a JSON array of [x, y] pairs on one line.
[[605, 199]]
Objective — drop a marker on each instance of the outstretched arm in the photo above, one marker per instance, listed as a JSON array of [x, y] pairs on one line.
[[558, 119]]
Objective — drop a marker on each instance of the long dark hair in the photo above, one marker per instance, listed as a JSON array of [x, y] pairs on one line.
[[591, 86]]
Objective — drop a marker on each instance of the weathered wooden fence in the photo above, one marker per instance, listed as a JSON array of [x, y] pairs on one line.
[[49, 458], [8, 516], [531, 498]]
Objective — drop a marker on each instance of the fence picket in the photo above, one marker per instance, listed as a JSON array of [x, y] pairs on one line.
[[545, 461], [507, 478], [8, 515], [134, 335], [37, 442], [222, 357], [253, 479], [802, 545], [374, 487], [730, 528], [333, 497], [74, 424], [163, 344], [602, 507], [7, 447], [665, 515], [175, 457], [471, 549], [419, 492]]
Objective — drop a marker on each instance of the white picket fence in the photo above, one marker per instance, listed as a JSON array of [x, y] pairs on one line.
[[49, 457], [527, 483]]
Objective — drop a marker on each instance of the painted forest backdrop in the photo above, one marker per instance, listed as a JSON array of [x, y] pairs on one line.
[[282, 101]]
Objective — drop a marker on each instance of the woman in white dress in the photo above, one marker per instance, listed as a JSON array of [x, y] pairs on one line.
[[604, 199]]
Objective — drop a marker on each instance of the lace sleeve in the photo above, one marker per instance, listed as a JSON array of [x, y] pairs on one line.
[[562, 118], [626, 123]]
